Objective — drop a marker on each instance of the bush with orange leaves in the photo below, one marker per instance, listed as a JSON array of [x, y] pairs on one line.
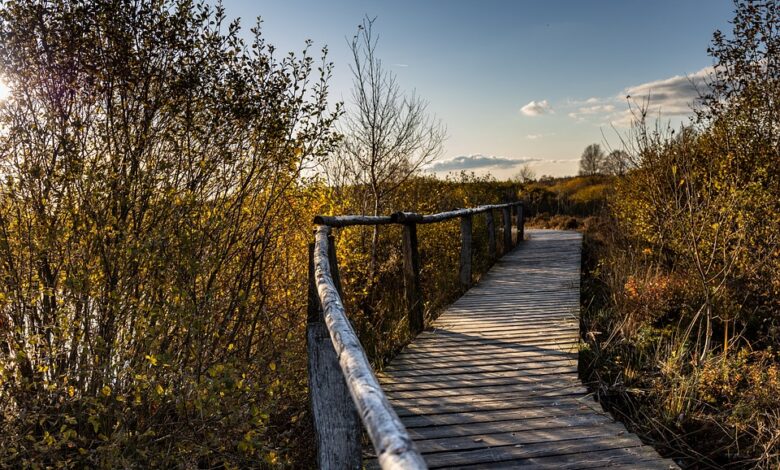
[[648, 297]]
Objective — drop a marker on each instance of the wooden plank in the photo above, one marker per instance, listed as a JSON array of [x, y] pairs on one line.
[[488, 397], [496, 337], [487, 346], [489, 416], [445, 407], [541, 449], [635, 458], [468, 374], [529, 387], [479, 429], [411, 362], [517, 438], [463, 381], [417, 374]]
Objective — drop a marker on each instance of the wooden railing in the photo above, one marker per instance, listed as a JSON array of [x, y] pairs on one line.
[[338, 366]]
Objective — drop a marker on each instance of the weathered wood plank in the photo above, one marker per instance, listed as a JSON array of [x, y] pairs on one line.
[[489, 416], [477, 375], [447, 407], [399, 374], [529, 387], [517, 438], [488, 397], [479, 429], [635, 458], [541, 449]]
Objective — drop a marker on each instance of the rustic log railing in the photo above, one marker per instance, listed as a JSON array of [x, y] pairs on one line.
[[338, 366]]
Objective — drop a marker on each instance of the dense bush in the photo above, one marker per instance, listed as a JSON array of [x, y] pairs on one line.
[[151, 210], [154, 217], [683, 290]]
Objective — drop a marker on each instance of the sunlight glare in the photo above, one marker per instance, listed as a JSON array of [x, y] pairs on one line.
[[4, 90]]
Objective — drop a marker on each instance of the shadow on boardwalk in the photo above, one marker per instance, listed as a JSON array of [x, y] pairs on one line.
[[495, 385]]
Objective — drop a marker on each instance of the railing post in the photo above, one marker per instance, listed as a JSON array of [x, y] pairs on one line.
[[412, 290], [520, 223], [465, 252], [491, 230], [507, 216], [336, 421]]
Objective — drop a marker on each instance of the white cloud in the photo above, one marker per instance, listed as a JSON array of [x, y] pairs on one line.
[[666, 98], [536, 108], [476, 161], [672, 96], [400, 65]]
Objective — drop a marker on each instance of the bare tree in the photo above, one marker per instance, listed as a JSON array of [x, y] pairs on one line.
[[592, 160], [617, 162], [388, 135], [526, 174]]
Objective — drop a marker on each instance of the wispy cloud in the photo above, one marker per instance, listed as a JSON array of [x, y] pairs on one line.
[[477, 161], [593, 109], [669, 97], [400, 65], [536, 108], [539, 136]]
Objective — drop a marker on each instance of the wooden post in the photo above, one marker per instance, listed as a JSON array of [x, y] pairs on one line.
[[334, 265], [412, 290], [465, 252], [393, 446], [491, 230], [507, 216], [520, 223], [336, 421]]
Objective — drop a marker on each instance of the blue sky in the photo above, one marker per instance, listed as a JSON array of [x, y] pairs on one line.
[[516, 81]]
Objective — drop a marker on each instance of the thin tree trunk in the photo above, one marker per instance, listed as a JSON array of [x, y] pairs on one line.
[[374, 243]]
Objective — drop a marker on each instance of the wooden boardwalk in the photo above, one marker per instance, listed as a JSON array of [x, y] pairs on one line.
[[495, 384]]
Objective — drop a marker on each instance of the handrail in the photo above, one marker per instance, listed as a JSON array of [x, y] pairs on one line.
[[405, 217], [347, 220], [336, 423], [394, 448]]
